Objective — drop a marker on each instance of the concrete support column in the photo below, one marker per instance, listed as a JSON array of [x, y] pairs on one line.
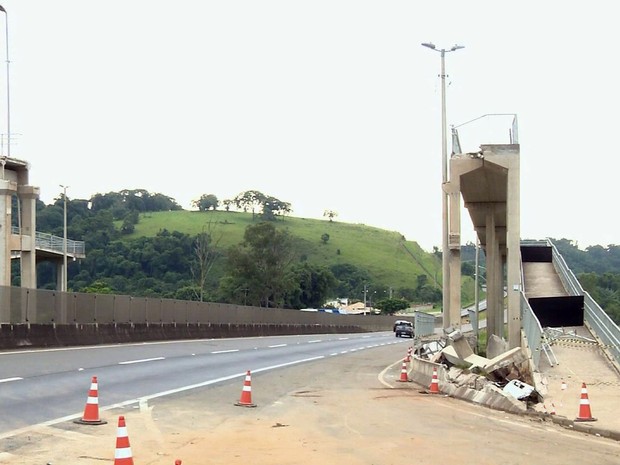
[[499, 316], [27, 200], [7, 189], [491, 271], [454, 262], [513, 253]]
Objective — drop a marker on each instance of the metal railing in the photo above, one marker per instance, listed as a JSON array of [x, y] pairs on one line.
[[599, 322], [45, 241]]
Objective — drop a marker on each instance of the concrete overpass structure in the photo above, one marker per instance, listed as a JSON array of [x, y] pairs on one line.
[[19, 239], [488, 183]]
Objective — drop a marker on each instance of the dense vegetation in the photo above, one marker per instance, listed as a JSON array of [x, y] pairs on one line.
[[248, 250], [249, 253]]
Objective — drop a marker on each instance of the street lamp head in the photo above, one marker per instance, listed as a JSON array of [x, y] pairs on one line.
[[429, 45], [456, 47]]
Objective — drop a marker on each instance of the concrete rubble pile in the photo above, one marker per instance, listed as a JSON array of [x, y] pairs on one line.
[[502, 382]]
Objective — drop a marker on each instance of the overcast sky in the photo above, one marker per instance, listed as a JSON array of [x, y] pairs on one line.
[[323, 104]]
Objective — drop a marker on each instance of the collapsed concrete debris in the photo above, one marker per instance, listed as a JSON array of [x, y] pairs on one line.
[[475, 377]]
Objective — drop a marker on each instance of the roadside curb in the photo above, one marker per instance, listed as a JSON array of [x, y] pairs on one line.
[[587, 428], [582, 427]]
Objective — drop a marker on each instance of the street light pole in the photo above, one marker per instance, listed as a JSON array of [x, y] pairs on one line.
[[8, 95], [64, 242], [445, 265]]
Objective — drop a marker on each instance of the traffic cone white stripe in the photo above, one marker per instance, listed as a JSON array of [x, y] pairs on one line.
[[124, 453], [92, 400]]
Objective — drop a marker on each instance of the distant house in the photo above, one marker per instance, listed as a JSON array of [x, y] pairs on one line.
[[357, 308]]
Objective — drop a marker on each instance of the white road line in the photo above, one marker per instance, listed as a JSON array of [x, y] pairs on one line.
[[277, 345], [315, 341], [224, 351], [343, 338], [9, 434], [6, 380], [129, 362]]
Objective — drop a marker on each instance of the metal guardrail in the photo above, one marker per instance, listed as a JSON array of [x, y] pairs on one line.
[[47, 241], [533, 331], [600, 323]]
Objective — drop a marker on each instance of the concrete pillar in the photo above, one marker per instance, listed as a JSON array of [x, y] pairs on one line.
[[499, 316], [28, 196], [454, 262], [491, 272], [513, 251], [7, 189]]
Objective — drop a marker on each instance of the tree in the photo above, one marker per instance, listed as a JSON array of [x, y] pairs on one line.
[[261, 266], [273, 207], [350, 279], [324, 238], [331, 214], [206, 202], [205, 245], [315, 285], [249, 200], [391, 306]]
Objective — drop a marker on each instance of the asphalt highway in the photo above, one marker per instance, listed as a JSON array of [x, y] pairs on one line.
[[51, 386]]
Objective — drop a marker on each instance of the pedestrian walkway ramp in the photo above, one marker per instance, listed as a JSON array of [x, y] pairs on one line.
[[547, 295]]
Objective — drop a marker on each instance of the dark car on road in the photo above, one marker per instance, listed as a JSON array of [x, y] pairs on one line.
[[403, 328]]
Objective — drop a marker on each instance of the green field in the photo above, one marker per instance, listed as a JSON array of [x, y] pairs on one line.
[[390, 260]]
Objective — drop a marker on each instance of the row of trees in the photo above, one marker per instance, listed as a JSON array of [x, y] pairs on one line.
[[258, 203]]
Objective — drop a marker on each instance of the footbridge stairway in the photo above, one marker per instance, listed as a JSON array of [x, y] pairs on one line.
[[553, 298]]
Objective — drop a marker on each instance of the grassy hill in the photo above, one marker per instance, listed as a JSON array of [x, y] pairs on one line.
[[389, 259]]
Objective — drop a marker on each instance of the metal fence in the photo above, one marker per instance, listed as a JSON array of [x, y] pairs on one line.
[[47, 241], [531, 328], [36, 306], [599, 322]]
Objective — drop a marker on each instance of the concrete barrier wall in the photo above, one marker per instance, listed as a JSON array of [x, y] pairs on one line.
[[43, 318], [49, 335]]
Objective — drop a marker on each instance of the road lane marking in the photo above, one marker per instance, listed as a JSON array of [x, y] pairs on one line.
[[224, 351], [6, 380], [129, 362], [315, 341], [276, 346]]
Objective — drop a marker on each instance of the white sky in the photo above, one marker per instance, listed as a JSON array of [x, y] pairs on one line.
[[326, 104]]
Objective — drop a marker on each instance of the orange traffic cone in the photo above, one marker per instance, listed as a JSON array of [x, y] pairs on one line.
[[403, 372], [122, 454], [584, 406], [552, 409], [434, 387], [409, 350], [91, 411], [177, 462], [246, 393]]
